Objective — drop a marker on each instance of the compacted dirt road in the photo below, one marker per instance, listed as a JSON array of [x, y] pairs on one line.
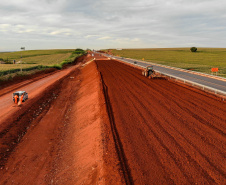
[[166, 133]]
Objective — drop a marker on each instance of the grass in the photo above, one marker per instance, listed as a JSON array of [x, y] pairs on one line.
[[34, 60], [202, 60], [47, 59], [32, 53], [10, 76], [6, 67]]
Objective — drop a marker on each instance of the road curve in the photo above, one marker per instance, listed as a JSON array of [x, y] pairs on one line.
[[170, 134]]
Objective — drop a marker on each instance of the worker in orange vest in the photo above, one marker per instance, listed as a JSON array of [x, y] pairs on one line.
[[15, 99], [21, 98]]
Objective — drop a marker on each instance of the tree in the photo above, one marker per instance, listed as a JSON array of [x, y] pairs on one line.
[[193, 49], [79, 51]]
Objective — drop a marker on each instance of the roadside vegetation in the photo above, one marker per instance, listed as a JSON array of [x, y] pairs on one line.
[[28, 62], [202, 60]]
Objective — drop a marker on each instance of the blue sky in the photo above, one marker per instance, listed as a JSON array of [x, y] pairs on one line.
[[99, 24]]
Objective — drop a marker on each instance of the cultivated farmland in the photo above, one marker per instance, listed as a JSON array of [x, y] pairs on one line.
[[33, 60], [32, 53]]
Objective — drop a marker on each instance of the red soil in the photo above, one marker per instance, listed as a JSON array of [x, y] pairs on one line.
[[167, 134], [118, 127], [59, 137]]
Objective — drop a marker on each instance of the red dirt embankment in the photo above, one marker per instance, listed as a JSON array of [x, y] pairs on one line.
[[167, 134], [62, 139]]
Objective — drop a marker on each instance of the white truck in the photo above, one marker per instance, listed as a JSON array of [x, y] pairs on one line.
[[19, 94]]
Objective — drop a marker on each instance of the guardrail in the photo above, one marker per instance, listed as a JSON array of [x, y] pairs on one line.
[[203, 87], [189, 71]]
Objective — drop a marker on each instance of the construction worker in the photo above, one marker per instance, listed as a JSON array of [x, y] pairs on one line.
[[21, 98], [15, 99]]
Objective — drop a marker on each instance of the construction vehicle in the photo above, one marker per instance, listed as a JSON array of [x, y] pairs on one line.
[[149, 72]]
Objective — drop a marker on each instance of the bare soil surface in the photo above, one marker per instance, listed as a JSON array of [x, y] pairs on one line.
[[166, 133], [58, 136], [102, 122]]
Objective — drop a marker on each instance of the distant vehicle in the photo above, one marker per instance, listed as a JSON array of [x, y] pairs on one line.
[[19, 94]]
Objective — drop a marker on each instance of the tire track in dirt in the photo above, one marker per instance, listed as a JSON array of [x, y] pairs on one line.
[[118, 143], [163, 95], [165, 103], [193, 100], [170, 134], [156, 136], [134, 72], [138, 102]]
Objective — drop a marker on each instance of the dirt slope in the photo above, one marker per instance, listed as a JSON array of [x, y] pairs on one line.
[[61, 138], [169, 134], [33, 159]]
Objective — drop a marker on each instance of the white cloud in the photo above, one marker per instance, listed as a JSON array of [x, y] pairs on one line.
[[135, 40], [105, 23], [91, 36], [104, 38], [67, 32], [4, 27]]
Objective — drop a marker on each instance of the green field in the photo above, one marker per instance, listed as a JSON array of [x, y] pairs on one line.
[[33, 60], [27, 59], [32, 53], [202, 60]]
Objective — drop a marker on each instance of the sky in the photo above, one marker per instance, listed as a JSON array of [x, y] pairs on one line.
[[102, 24]]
